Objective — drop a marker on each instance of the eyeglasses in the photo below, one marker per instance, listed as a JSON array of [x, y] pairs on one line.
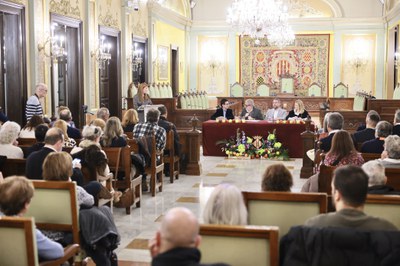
[[248, 105]]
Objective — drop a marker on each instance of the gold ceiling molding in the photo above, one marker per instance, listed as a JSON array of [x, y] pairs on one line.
[[108, 19], [140, 25], [63, 7], [21, 2]]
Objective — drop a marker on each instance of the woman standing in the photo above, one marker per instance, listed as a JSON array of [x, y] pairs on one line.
[[142, 96], [299, 112]]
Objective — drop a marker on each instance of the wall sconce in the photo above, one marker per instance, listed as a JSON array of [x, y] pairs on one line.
[[102, 53], [136, 58], [358, 62], [56, 45]]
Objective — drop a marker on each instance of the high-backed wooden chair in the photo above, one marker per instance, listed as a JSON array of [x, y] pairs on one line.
[[26, 141], [396, 93], [183, 102], [359, 103], [236, 90], [156, 167], [276, 208], [18, 243], [393, 177], [263, 90], [314, 90], [55, 207], [171, 158], [340, 90], [384, 206], [325, 178], [370, 156], [13, 167], [239, 245]]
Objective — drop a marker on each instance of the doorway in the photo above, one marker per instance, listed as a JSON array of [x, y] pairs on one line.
[[140, 49], [175, 70]]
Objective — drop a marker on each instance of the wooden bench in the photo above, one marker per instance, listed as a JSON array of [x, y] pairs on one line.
[[276, 208], [384, 206], [13, 167], [55, 207], [171, 159], [26, 141], [18, 244], [370, 156], [239, 245], [393, 177]]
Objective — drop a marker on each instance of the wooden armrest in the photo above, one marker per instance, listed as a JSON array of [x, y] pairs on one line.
[[69, 252]]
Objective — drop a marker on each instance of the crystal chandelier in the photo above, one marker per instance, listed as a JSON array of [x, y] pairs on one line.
[[136, 58], [260, 19], [102, 52], [56, 45]]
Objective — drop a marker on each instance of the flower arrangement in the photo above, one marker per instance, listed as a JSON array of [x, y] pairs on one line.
[[254, 147]]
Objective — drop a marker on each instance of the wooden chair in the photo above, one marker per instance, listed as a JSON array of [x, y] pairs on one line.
[[340, 90], [171, 158], [55, 207], [236, 90], [325, 178], [276, 208], [26, 141], [393, 178], [370, 156], [384, 206], [14, 167], [18, 244], [239, 245], [396, 93], [155, 170], [263, 90], [314, 90]]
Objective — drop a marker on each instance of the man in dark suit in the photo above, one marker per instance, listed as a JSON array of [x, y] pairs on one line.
[[369, 132], [224, 111], [383, 129], [71, 130], [54, 141], [396, 122], [335, 123]]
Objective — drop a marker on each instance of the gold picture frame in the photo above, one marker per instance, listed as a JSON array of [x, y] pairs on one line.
[[162, 54]]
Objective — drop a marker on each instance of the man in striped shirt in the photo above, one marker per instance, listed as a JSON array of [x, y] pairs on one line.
[[33, 105]]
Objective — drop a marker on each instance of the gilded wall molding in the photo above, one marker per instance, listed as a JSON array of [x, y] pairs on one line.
[[20, 2], [108, 19], [64, 7]]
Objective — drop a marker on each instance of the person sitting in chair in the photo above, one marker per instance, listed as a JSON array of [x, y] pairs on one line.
[[276, 112], [224, 111], [250, 112]]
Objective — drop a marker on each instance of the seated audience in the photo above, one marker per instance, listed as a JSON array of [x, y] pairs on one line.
[[224, 112], [16, 193], [377, 178], [68, 142], [103, 113], [28, 131], [349, 192], [72, 132], [368, 133], [8, 140], [165, 124], [396, 123], [90, 136], [3, 117], [390, 157], [98, 123], [276, 112], [40, 133], [225, 206], [250, 112], [341, 153], [129, 120], [383, 129], [335, 123], [177, 240], [298, 112], [151, 127], [113, 134], [277, 178]]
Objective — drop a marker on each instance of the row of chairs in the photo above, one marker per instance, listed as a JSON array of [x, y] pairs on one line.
[[156, 90], [197, 100]]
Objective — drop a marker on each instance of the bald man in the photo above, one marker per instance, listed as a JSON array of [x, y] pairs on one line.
[[177, 240], [33, 105]]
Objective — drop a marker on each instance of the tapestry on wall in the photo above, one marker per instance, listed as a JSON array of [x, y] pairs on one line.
[[307, 61]]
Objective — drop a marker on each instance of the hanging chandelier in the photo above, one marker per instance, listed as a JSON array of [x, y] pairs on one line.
[[260, 19], [136, 58]]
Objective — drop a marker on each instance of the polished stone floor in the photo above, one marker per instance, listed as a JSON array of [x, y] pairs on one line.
[[191, 192]]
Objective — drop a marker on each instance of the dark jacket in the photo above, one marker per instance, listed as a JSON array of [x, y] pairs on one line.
[[396, 130], [255, 114], [382, 190], [326, 142], [74, 133], [310, 246], [219, 112], [373, 146], [303, 115], [164, 123], [181, 257], [364, 135]]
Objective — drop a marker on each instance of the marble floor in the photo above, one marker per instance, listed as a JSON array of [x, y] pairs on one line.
[[191, 192]]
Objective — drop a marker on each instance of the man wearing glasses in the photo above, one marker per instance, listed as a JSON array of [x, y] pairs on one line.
[[224, 111], [250, 112]]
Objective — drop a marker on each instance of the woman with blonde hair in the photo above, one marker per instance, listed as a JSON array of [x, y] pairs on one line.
[[113, 134], [98, 122], [129, 120], [298, 112], [68, 142], [225, 206], [142, 96]]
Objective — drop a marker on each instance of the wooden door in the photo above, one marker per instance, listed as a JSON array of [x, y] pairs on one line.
[[175, 71], [12, 62], [141, 75]]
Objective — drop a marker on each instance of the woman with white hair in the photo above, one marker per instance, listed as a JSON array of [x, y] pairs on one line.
[[8, 140], [225, 206], [390, 157], [377, 179]]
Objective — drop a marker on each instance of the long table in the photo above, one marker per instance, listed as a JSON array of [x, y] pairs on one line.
[[287, 134]]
